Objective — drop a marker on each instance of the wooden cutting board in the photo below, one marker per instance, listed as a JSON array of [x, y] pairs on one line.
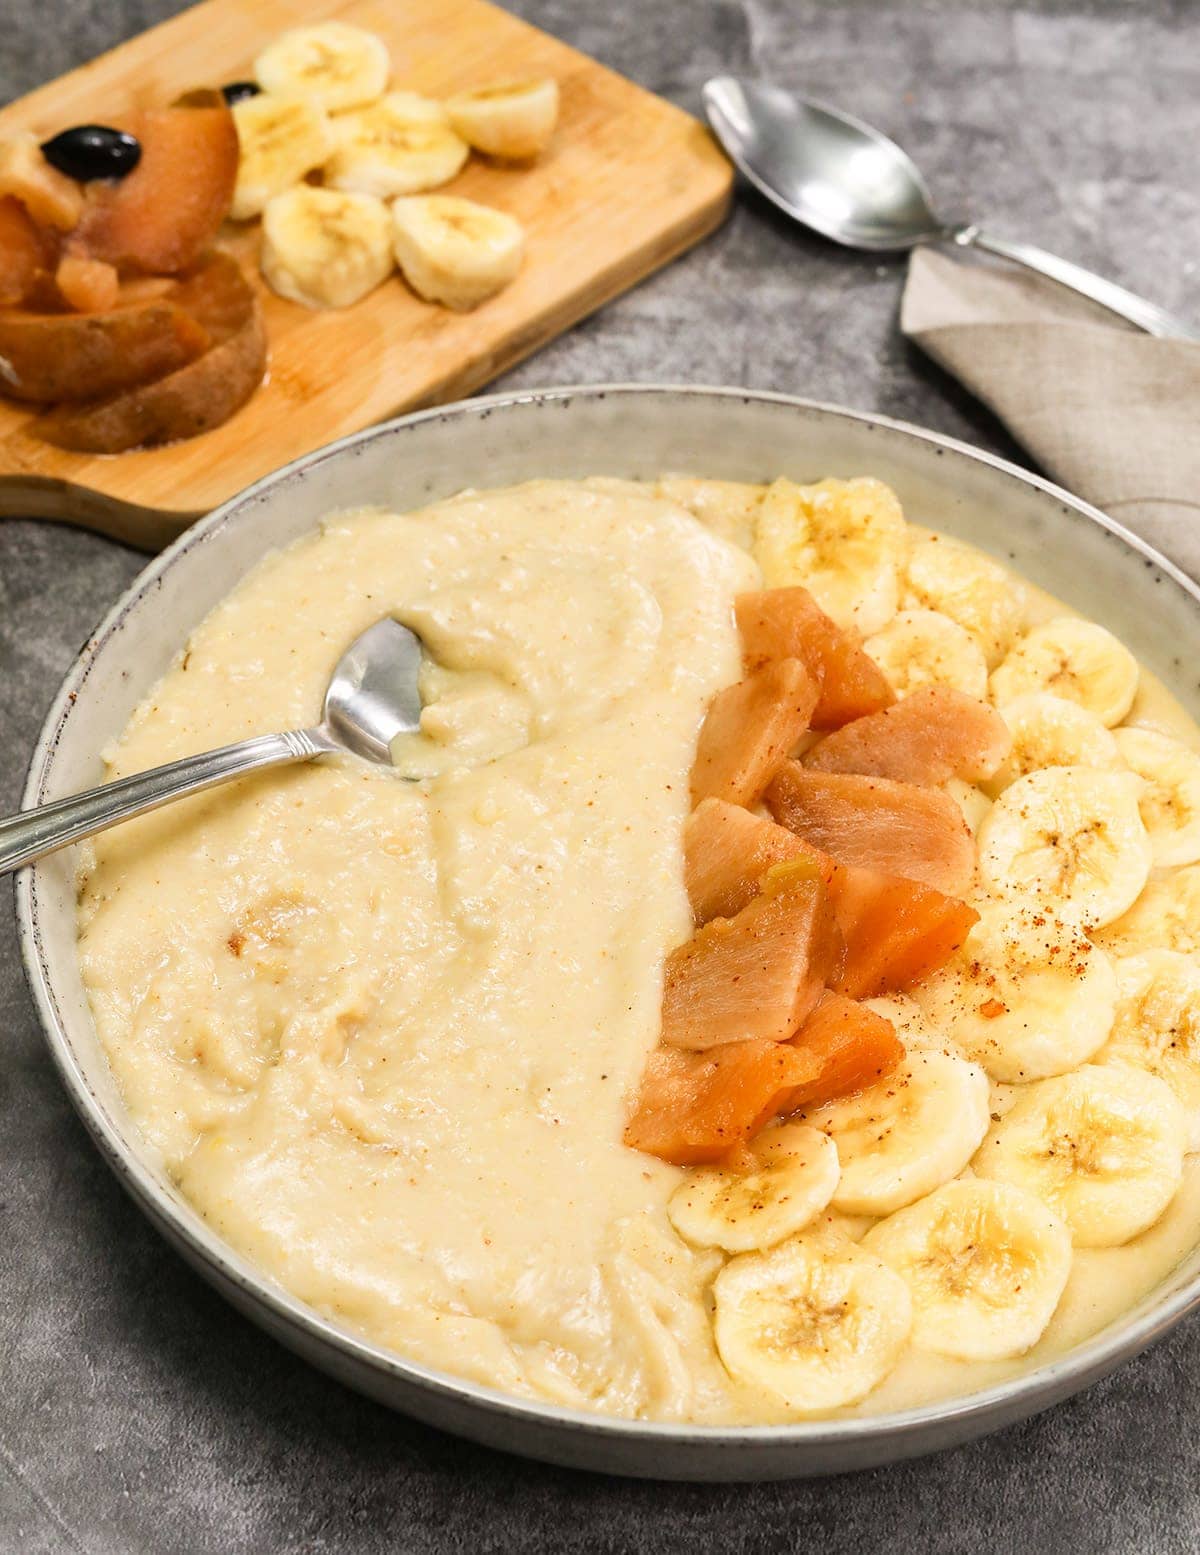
[[628, 182]]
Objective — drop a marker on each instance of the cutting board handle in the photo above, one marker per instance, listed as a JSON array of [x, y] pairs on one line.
[[42, 496]]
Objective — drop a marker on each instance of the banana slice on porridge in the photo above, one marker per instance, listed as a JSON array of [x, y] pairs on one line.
[[1103, 1147], [984, 598], [1170, 799], [927, 648], [843, 540], [1027, 996], [1052, 731], [1075, 659], [1071, 837], [816, 1322], [907, 1134], [985, 1264], [794, 1177], [1157, 1026]]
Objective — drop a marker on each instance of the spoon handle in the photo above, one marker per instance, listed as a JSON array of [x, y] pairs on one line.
[[1146, 315], [31, 834]]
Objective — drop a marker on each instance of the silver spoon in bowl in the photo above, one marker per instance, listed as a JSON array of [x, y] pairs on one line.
[[851, 184], [372, 698]]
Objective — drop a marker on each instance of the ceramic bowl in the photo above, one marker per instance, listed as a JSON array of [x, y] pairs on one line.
[[1054, 540]]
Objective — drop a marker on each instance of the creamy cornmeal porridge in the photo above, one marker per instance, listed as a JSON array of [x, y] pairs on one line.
[[390, 1036]]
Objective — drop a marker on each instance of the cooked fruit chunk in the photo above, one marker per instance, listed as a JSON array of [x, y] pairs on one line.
[[789, 624], [26, 252], [756, 975], [856, 1047], [750, 730], [66, 356], [162, 217], [194, 398], [898, 828], [896, 931], [934, 734], [51, 198], [694, 1108], [726, 852], [88, 285]]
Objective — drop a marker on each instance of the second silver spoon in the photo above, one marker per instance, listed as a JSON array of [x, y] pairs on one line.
[[850, 183]]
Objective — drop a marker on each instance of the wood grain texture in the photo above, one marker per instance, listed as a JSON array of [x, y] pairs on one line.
[[628, 182]]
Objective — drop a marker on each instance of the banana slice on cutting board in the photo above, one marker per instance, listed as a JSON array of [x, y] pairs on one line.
[[1071, 838], [332, 64], [1103, 1147], [510, 119], [454, 251], [970, 588], [1157, 1026], [325, 248], [985, 1264], [279, 141], [1170, 801], [816, 1322], [1077, 660], [844, 541], [926, 648], [1050, 731], [384, 151], [905, 1136], [414, 108], [741, 1211], [1027, 996], [1165, 917]]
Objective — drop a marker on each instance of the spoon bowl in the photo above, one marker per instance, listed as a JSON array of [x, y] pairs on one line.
[[373, 696], [371, 700], [826, 169]]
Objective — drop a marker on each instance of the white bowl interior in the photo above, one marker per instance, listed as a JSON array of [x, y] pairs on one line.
[[1052, 540]]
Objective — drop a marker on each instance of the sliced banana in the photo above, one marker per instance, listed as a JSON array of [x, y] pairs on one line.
[[1027, 996], [1103, 1147], [383, 150], [332, 64], [279, 142], [970, 588], [415, 108], [1050, 731], [1071, 838], [913, 1026], [1073, 659], [325, 248], [1157, 1026], [842, 540], [744, 1211], [1165, 917], [927, 648], [454, 251], [906, 1135], [972, 801], [510, 119], [816, 1322], [1170, 801], [985, 1264]]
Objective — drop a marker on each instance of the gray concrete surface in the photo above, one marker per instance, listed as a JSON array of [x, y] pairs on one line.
[[137, 1413]]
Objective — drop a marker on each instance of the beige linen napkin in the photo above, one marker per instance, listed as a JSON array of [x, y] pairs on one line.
[[1107, 411]]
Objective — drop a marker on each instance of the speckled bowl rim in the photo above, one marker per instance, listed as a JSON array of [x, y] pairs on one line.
[[893, 1435]]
